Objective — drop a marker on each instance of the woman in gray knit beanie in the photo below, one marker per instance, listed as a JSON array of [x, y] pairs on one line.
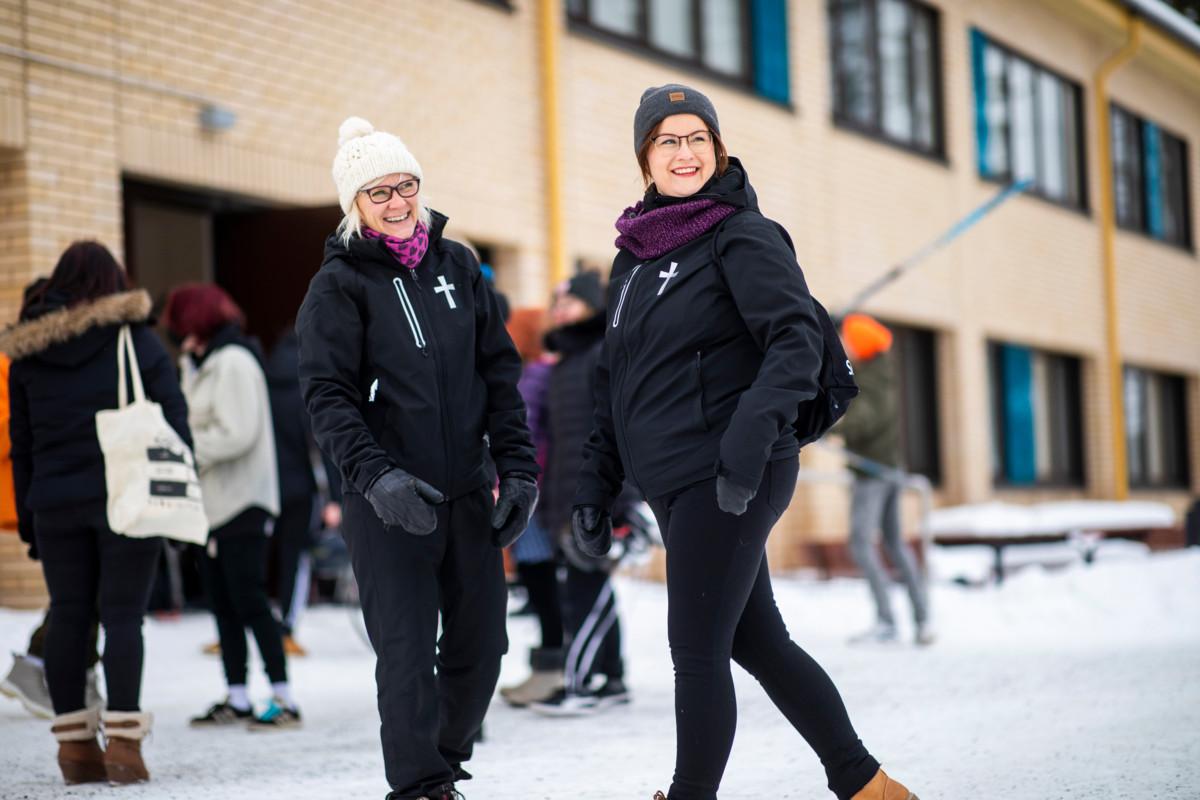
[[718, 365]]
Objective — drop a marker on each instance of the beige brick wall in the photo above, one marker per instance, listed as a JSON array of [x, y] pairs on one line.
[[459, 81]]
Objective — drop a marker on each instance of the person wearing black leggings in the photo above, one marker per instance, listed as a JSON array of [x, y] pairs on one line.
[[64, 370], [717, 365]]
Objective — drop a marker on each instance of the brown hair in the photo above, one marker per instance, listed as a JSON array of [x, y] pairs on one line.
[[643, 154], [526, 326]]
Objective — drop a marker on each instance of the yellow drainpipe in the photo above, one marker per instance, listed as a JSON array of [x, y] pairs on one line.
[[1108, 224], [548, 51]]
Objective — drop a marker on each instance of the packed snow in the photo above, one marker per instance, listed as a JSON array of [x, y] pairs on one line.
[[1040, 519], [1080, 683]]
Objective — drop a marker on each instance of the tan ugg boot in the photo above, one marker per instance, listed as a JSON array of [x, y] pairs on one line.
[[882, 787], [123, 732], [79, 755]]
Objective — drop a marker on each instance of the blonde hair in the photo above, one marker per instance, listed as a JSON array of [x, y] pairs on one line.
[[351, 224]]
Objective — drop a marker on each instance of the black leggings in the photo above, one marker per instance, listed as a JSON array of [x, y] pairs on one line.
[[541, 582], [237, 590], [292, 536], [720, 606], [87, 566]]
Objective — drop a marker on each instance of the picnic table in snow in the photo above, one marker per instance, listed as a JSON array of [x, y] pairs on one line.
[[1000, 525]]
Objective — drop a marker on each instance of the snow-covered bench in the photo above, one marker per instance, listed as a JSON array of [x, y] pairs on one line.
[[1000, 525]]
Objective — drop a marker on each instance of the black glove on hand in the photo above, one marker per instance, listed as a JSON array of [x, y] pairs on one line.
[[592, 528], [405, 501], [514, 508], [731, 498]]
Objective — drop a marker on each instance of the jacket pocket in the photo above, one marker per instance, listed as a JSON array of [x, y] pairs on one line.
[[701, 405]]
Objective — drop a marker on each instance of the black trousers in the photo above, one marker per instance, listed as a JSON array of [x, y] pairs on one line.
[[541, 582], [291, 537], [238, 593], [594, 627], [88, 567], [433, 692], [37, 641], [721, 607]]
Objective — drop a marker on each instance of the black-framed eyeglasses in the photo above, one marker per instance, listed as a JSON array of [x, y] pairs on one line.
[[381, 194], [697, 141]]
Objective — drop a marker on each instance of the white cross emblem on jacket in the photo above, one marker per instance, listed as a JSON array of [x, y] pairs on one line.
[[446, 289], [667, 277]]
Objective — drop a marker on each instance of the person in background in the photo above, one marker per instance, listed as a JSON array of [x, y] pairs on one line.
[[298, 496], [408, 375], [64, 370], [536, 553], [871, 430], [230, 416], [592, 622]]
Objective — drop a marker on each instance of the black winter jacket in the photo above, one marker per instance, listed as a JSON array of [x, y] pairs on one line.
[[65, 370], [410, 368], [704, 365], [297, 482], [569, 417]]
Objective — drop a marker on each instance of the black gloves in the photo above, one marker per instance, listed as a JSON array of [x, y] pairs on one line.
[[514, 507], [592, 528], [404, 501], [731, 498]]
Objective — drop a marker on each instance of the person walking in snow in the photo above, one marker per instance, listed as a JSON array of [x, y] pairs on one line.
[[408, 375], [871, 429], [230, 415], [64, 370], [714, 351]]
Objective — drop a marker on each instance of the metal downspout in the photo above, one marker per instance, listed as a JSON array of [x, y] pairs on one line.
[[1108, 225]]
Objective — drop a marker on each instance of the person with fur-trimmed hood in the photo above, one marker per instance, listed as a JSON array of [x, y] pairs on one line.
[[64, 370], [409, 374]]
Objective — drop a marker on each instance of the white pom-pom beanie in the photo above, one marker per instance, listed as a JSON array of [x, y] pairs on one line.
[[365, 154]]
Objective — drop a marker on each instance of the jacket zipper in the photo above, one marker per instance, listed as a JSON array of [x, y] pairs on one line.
[[624, 291], [410, 314], [441, 386]]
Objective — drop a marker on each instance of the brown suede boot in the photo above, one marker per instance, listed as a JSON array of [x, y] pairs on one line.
[[881, 787], [124, 731], [79, 755]]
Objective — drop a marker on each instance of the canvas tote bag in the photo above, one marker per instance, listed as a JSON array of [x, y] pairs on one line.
[[149, 471]]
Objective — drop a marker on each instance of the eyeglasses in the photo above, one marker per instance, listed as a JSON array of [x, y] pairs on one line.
[[697, 141], [381, 194]]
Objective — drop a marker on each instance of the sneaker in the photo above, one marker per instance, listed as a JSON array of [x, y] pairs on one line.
[[566, 703], [925, 635], [276, 717], [222, 714], [293, 648], [444, 792], [879, 633], [91, 693], [537, 687], [26, 682]]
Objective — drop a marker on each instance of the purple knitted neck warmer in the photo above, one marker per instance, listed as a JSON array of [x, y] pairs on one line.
[[408, 252], [654, 233]]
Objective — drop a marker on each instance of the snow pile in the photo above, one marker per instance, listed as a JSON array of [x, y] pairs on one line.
[[1075, 684], [1006, 519]]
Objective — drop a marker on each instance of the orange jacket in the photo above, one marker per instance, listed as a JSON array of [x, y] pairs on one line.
[[8, 500]]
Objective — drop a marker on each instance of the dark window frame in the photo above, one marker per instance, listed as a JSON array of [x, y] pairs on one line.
[[580, 22], [918, 382], [1075, 435], [1081, 117], [1142, 224], [1183, 481], [503, 5], [876, 131]]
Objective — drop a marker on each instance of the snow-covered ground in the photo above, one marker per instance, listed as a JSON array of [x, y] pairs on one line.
[[1079, 684]]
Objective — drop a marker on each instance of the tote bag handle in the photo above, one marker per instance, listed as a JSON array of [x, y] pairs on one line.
[[127, 362]]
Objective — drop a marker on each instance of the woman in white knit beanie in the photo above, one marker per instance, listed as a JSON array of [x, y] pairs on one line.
[[409, 376]]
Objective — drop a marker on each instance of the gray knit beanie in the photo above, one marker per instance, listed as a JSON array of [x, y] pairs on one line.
[[660, 102]]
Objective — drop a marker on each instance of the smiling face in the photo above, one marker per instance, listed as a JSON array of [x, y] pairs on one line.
[[680, 172], [396, 217]]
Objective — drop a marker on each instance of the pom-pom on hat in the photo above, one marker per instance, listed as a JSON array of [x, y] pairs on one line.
[[365, 154]]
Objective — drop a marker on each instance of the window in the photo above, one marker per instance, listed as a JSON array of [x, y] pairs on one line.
[[1028, 123], [1037, 431], [736, 40], [917, 387], [1156, 429], [886, 75], [1150, 179]]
